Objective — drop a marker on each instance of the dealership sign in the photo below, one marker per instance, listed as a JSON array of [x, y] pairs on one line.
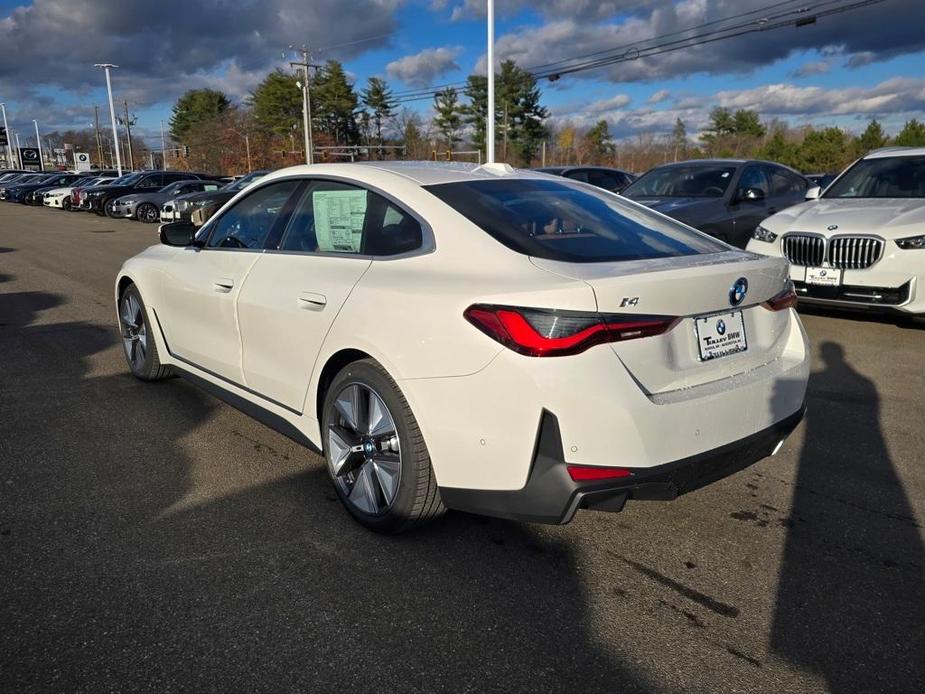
[[81, 161], [29, 156]]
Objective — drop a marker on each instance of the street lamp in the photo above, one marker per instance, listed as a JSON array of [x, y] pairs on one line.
[[9, 139], [112, 113], [38, 142], [490, 116]]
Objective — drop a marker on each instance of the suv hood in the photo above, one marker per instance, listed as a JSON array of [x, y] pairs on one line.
[[207, 195], [891, 218]]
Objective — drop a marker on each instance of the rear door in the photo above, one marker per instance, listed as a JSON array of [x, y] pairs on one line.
[[295, 290]]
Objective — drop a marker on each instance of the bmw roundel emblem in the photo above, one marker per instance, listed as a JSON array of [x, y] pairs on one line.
[[738, 291], [832, 227], [721, 326]]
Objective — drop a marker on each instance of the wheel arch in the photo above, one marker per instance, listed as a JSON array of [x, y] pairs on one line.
[[337, 361]]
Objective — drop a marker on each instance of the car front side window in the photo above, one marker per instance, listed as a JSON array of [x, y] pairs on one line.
[[248, 223]]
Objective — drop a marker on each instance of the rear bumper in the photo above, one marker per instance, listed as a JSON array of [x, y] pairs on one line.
[[551, 496]]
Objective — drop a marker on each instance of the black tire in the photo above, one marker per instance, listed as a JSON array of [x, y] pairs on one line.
[[139, 345], [66, 204], [417, 499], [107, 207], [147, 213]]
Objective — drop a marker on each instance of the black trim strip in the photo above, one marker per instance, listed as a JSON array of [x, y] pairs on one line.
[[262, 415]]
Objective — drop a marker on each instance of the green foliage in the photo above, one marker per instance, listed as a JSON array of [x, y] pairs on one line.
[[679, 139], [872, 138], [448, 117], [334, 104], [598, 141], [519, 114], [277, 103], [912, 134], [195, 107], [377, 97], [779, 149], [730, 133], [825, 150]]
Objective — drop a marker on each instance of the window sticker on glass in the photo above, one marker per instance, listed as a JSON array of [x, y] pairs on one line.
[[339, 216]]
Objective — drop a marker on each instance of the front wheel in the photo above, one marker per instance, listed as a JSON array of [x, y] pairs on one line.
[[137, 340], [66, 204], [109, 208], [147, 213], [375, 452]]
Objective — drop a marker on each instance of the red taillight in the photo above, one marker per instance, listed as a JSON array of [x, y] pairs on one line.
[[586, 473], [546, 333], [786, 299]]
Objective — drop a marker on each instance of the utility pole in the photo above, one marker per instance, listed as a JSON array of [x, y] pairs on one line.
[[490, 116], [128, 134], [112, 113], [38, 143], [9, 139], [543, 160], [163, 149], [504, 140], [99, 139], [306, 103], [247, 145]]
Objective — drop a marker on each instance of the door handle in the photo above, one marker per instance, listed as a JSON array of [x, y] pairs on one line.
[[223, 284], [312, 301]]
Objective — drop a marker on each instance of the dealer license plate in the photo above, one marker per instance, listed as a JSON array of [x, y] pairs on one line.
[[720, 335], [825, 276]]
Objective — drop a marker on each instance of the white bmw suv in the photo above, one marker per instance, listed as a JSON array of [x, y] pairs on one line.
[[861, 244], [497, 341]]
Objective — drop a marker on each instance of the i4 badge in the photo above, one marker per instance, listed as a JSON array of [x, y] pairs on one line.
[[738, 291]]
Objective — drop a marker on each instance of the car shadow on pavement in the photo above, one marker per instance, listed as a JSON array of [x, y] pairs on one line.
[[849, 602], [125, 566]]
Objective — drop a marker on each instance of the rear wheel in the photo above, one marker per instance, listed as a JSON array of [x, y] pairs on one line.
[[147, 213], [66, 204], [375, 452], [137, 340]]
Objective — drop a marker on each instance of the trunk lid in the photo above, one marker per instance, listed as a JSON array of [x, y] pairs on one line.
[[687, 287]]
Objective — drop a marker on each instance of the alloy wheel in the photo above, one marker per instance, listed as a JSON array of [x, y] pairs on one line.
[[134, 332], [364, 454], [148, 213]]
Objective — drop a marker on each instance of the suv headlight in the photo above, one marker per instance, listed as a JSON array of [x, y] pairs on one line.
[[763, 234], [182, 205], [911, 243]]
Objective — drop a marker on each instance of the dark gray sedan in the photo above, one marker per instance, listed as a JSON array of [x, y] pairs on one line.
[[725, 198], [146, 207]]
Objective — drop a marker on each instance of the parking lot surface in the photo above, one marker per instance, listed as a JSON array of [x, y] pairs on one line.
[[153, 538]]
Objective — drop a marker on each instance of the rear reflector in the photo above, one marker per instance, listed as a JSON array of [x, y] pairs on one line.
[[586, 473], [786, 299], [548, 333]]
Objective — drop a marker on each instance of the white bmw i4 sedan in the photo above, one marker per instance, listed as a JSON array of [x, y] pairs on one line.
[[861, 244], [485, 339]]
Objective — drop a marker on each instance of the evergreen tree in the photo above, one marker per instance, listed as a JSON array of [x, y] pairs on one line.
[[824, 150], [334, 104], [377, 97], [448, 117], [195, 107], [598, 142], [476, 110], [277, 103], [872, 138], [778, 149], [912, 134]]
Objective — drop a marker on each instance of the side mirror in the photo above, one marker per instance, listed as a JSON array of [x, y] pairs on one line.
[[813, 193], [753, 194], [179, 234]]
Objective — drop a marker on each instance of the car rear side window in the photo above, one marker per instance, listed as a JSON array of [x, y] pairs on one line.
[[334, 217], [559, 221], [247, 224]]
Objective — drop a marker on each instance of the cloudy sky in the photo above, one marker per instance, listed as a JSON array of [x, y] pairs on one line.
[[842, 70]]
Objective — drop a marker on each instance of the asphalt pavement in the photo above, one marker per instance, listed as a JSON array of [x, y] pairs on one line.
[[153, 538]]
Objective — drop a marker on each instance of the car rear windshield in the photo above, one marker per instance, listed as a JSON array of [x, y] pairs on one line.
[[571, 222], [687, 181], [882, 177]]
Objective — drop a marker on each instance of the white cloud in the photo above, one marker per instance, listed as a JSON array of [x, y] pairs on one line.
[[811, 69], [421, 69], [659, 96]]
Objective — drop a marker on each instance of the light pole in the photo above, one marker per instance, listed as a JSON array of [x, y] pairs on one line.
[[163, 149], [490, 116], [38, 142], [112, 113], [9, 139]]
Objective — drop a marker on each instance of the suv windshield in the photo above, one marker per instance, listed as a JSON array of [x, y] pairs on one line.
[[570, 222], [882, 177], [686, 181]]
